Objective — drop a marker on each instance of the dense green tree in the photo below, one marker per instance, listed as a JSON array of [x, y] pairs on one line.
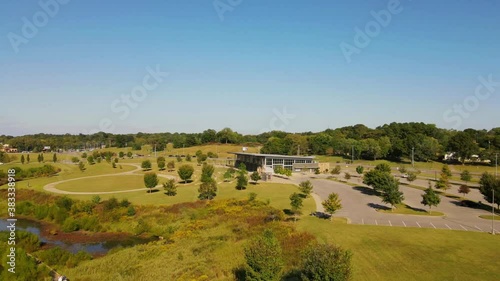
[[347, 176], [25, 267], [263, 258], [171, 166], [161, 165], [208, 136], [411, 177], [332, 204], [487, 184], [121, 154], [185, 172], [465, 176], [228, 175], [255, 177], [446, 170], [464, 145], [380, 181], [90, 160], [296, 203], [430, 198], [170, 187], [146, 165], [242, 178], [81, 166], [129, 154], [443, 182], [22, 159], [383, 167], [392, 196], [306, 187], [206, 172], [54, 158], [201, 159], [188, 158], [208, 189], [325, 262], [28, 158], [150, 181], [360, 170]]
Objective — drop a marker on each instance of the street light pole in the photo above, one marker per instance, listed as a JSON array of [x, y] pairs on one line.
[[493, 198], [493, 211]]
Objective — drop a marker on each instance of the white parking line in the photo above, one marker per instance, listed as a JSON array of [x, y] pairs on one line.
[[376, 222], [404, 223], [479, 228], [433, 225], [390, 223], [447, 226], [418, 224], [464, 228]]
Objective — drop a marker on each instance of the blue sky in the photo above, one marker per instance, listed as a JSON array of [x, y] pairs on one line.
[[262, 57]]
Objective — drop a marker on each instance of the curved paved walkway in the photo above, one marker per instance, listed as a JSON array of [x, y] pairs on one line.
[[51, 187]]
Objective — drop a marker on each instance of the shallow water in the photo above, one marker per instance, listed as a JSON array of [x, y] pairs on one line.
[[100, 248]]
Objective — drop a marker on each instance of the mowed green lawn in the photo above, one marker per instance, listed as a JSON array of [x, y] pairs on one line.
[[104, 184], [277, 194], [397, 253]]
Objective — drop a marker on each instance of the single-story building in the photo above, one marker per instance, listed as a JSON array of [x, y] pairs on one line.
[[8, 149], [268, 162]]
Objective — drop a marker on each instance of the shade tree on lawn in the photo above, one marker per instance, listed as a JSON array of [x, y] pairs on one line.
[[296, 204], [255, 177], [185, 172], [242, 179], [170, 187], [150, 180], [306, 187]]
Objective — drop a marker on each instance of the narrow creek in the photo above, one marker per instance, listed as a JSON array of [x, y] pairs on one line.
[[93, 248]]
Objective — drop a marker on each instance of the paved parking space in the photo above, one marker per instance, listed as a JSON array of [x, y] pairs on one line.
[[440, 224], [360, 208]]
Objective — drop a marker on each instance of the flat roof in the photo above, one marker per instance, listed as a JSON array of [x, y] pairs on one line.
[[273, 155]]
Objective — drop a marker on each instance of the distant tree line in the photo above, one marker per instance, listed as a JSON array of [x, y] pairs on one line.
[[391, 141]]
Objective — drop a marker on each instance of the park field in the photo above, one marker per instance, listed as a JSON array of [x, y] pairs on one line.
[[277, 194], [397, 253]]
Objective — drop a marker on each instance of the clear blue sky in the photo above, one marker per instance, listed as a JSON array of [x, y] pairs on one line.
[[263, 56]]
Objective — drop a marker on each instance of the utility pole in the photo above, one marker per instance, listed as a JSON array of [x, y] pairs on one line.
[[496, 165], [352, 156], [412, 157]]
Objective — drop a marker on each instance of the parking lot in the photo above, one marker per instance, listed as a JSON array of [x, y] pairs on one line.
[[361, 208]]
